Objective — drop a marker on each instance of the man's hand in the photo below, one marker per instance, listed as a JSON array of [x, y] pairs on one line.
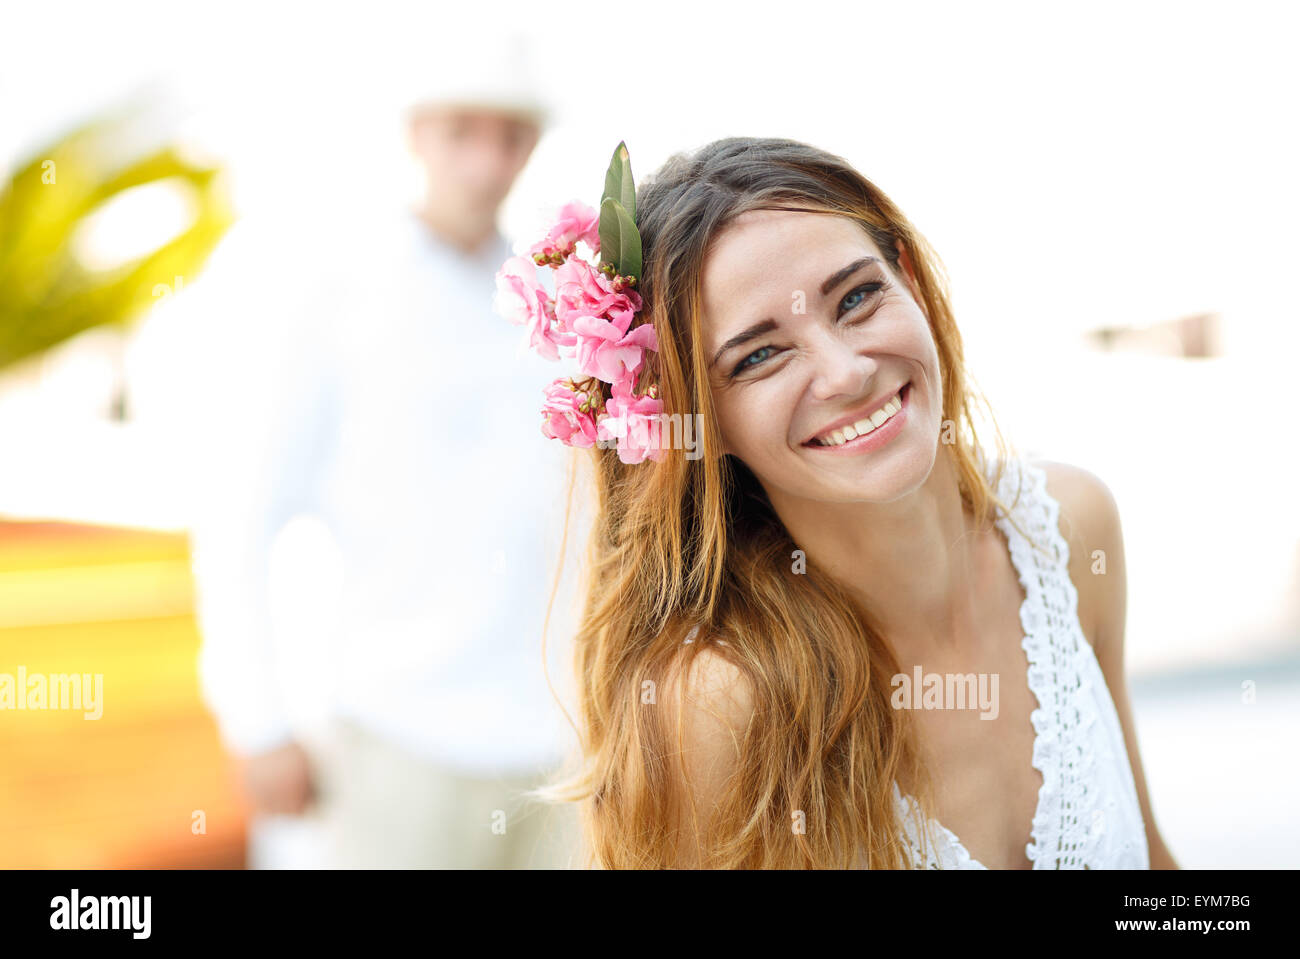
[[278, 781]]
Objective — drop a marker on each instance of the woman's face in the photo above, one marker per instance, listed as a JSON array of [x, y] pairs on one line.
[[803, 339]]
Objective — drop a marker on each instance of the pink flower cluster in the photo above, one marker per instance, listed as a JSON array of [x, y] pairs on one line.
[[590, 321]]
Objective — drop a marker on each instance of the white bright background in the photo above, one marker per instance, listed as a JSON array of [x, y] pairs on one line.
[[1076, 165]]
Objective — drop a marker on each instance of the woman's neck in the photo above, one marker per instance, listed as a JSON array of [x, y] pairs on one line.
[[912, 564]]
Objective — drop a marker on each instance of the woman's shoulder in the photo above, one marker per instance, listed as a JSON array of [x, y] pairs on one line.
[[1089, 514], [1089, 523], [708, 710], [716, 693]]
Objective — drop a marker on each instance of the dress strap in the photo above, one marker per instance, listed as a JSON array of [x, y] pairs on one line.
[[1053, 643]]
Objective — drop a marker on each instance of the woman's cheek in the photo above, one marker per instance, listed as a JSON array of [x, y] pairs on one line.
[[757, 427], [731, 422]]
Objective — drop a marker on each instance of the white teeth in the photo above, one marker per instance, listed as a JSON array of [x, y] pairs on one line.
[[841, 436]]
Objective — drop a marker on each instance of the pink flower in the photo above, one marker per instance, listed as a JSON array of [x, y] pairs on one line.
[[580, 290], [635, 421], [576, 221], [594, 321], [522, 300], [564, 417], [586, 304], [608, 352]]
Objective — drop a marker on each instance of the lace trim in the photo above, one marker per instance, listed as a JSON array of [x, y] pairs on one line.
[[1064, 718], [949, 854], [1117, 826], [1063, 722]]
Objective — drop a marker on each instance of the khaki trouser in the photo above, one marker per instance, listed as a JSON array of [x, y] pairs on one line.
[[383, 807]]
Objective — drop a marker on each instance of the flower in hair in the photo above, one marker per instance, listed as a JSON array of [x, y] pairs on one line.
[[569, 413], [607, 351], [576, 221], [634, 421], [581, 291], [592, 319], [523, 300]]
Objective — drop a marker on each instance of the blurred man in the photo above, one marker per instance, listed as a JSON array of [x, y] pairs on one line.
[[401, 440]]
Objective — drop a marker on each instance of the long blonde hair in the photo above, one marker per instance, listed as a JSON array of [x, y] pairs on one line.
[[686, 547]]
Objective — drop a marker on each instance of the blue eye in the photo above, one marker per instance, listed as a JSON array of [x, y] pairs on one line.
[[853, 300], [745, 362], [866, 288]]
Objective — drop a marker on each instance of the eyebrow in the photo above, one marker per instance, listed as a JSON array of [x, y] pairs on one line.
[[768, 325], [839, 276], [754, 332]]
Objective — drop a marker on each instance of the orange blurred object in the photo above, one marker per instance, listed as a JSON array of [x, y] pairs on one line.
[[147, 784]]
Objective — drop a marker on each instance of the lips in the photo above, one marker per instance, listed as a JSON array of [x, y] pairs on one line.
[[863, 421]]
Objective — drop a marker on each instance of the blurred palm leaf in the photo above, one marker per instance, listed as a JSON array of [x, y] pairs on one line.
[[46, 294]]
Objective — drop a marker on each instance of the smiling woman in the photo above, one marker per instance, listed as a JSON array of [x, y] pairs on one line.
[[747, 612]]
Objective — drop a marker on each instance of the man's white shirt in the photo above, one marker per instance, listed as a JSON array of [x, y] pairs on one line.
[[382, 515]]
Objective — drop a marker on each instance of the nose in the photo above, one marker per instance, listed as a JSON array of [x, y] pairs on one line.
[[491, 161], [839, 368], [481, 165]]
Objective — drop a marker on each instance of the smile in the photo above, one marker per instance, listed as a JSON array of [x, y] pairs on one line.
[[883, 423]]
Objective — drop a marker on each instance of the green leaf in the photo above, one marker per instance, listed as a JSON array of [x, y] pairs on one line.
[[620, 243], [629, 245], [610, 233], [619, 184]]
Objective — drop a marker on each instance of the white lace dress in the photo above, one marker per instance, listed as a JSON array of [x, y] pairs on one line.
[[1088, 816]]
